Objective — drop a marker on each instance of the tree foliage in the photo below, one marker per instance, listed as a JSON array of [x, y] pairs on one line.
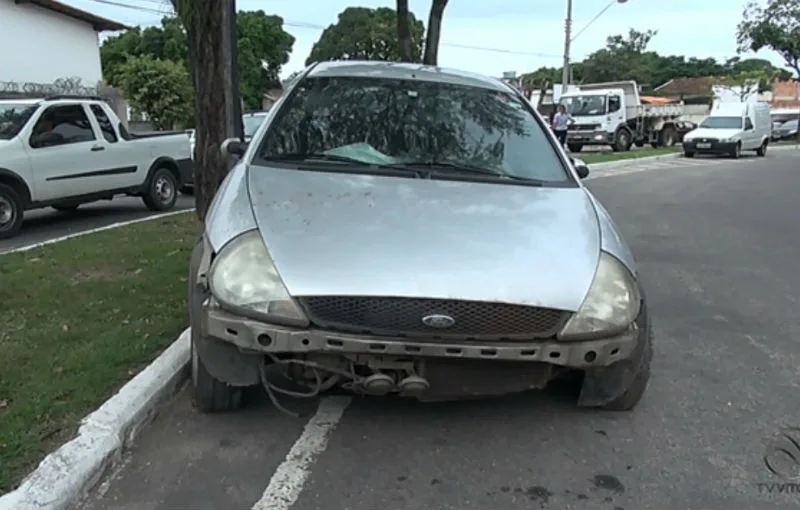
[[775, 26], [260, 37], [628, 58], [161, 89], [361, 33]]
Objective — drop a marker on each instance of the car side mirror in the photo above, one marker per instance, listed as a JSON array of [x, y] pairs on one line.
[[580, 167], [233, 147]]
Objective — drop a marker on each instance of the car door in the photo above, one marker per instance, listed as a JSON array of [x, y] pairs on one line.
[[62, 145], [749, 136], [117, 161]]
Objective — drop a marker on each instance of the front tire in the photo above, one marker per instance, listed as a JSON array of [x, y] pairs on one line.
[[628, 400], [762, 151], [209, 394], [575, 147], [737, 151], [161, 191], [623, 141], [688, 154], [12, 210]]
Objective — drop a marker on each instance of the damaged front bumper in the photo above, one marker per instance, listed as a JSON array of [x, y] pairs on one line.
[[251, 336]]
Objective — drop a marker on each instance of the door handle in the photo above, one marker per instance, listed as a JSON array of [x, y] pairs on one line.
[[98, 148]]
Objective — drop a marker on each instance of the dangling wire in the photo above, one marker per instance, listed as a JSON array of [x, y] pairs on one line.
[[320, 385]]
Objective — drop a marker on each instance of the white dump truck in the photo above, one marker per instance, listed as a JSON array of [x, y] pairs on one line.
[[614, 114]]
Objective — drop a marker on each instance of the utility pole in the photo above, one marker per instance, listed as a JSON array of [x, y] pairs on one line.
[[565, 71], [238, 127]]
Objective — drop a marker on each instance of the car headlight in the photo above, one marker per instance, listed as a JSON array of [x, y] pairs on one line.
[[243, 276], [611, 305]]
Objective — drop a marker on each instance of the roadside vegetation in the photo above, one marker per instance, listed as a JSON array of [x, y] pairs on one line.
[[79, 318], [605, 156]]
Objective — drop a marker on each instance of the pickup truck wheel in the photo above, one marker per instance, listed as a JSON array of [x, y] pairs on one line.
[[162, 191], [11, 212]]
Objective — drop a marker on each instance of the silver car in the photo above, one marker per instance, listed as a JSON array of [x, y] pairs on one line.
[[400, 229]]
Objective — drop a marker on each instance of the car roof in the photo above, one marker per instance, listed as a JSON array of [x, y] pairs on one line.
[[405, 71], [21, 101]]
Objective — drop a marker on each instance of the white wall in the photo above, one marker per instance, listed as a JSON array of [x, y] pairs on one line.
[[41, 46]]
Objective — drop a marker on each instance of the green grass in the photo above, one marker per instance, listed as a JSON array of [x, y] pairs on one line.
[[602, 157], [80, 318]]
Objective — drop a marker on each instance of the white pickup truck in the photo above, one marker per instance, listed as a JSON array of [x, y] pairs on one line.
[[64, 151]]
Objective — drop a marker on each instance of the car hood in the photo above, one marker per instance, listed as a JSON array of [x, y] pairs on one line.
[[361, 235], [712, 133]]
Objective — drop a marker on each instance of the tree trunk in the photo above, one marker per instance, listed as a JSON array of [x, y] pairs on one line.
[[207, 24], [404, 33], [434, 30]]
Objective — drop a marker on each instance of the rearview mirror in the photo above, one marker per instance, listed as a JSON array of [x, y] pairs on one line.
[[233, 147], [580, 167]]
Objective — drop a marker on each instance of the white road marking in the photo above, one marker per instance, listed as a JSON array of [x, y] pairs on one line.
[[288, 480], [94, 230]]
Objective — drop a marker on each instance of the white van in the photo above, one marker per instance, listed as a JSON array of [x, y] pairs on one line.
[[730, 129]]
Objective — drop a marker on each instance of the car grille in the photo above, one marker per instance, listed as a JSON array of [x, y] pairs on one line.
[[584, 127], [403, 317], [706, 140]]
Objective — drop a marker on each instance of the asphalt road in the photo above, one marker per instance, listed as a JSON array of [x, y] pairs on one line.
[[718, 250], [44, 224]]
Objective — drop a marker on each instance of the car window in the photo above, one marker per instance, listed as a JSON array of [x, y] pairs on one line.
[[251, 123], [748, 124], [105, 124], [399, 120], [68, 122], [13, 117], [722, 123]]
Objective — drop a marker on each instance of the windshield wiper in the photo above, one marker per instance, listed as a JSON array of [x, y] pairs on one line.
[[318, 156], [458, 166]]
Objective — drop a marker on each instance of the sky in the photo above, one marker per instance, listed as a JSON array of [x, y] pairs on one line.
[[517, 35]]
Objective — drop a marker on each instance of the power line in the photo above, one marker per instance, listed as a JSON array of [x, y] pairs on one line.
[[313, 26]]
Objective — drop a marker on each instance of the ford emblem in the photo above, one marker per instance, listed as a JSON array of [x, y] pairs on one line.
[[438, 321]]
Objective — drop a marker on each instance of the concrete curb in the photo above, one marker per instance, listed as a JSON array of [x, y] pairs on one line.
[[65, 477], [630, 161]]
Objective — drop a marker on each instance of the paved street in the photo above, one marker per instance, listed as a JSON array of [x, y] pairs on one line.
[[43, 224], [718, 248]]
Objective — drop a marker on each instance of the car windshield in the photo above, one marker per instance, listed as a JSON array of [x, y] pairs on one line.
[[252, 123], [780, 118], [13, 117], [722, 123], [584, 105], [391, 122], [790, 124]]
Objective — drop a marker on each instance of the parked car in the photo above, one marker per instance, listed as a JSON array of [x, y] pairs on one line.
[[251, 122], [64, 151], [363, 241], [730, 129], [786, 131]]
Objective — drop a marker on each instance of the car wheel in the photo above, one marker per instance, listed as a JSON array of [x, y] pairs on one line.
[[209, 394], [737, 151], [688, 154], [11, 212], [762, 151], [628, 400], [575, 147], [161, 191]]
